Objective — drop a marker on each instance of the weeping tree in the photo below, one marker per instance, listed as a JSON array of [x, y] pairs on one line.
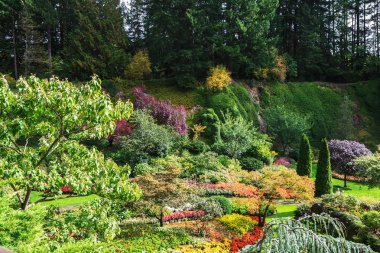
[[42, 123], [312, 234]]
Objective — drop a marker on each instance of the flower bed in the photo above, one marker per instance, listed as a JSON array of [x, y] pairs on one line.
[[184, 215], [247, 239]]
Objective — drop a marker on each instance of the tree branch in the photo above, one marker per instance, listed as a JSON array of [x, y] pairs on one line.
[[17, 194]]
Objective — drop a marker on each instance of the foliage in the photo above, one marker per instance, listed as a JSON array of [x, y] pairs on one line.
[[21, 230], [163, 111], [162, 189], [305, 157], [344, 152], [197, 147], [311, 234], [261, 149], [211, 121], [184, 215], [279, 70], [198, 130], [147, 139], [208, 247], [198, 165], [237, 189], [339, 202], [139, 67], [219, 78], [234, 99], [249, 206], [123, 128], [98, 221], [251, 163], [225, 203], [369, 167], [238, 223], [286, 125], [372, 220], [323, 181], [42, 123]]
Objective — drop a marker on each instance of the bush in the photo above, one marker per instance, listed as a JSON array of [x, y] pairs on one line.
[[225, 203], [278, 72], [163, 111], [245, 205], [123, 128], [251, 163], [340, 202], [139, 67], [147, 140], [302, 210], [197, 147], [323, 181], [238, 223], [219, 78], [372, 220], [197, 165], [369, 167], [211, 121]]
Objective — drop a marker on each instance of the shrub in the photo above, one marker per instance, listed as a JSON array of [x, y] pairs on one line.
[[139, 67], [163, 111], [238, 189], [211, 120], [184, 215], [251, 163], [238, 223], [305, 157], [197, 165], [372, 220], [340, 202], [278, 72], [147, 140], [302, 210], [369, 167], [245, 205], [343, 153], [196, 147], [123, 128], [208, 247], [219, 78], [225, 203], [323, 181]]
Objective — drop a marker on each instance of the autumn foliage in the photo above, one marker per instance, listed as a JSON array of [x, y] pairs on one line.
[[219, 78], [139, 67]]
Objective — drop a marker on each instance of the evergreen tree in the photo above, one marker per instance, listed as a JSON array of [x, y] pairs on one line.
[[323, 181], [305, 157]]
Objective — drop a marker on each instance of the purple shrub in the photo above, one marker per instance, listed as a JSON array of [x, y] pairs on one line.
[[123, 128], [343, 153], [163, 111]]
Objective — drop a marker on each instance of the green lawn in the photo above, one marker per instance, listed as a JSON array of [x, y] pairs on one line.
[[61, 201], [284, 210], [359, 190]]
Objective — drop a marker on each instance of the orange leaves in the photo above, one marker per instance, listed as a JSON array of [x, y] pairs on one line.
[[219, 78]]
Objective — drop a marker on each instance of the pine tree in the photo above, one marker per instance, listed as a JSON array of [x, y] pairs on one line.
[[305, 158], [323, 182]]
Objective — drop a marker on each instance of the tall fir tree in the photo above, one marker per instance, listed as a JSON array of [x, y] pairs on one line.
[[323, 181], [305, 157]]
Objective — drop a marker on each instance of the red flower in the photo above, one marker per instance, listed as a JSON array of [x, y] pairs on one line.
[[247, 239], [183, 215]]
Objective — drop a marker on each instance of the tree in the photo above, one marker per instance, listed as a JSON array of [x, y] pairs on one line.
[[305, 157], [281, 184], [42, 124], [323, 181], [139, 67], [313, 234], [343, 154], [161, 190], [286, 125], [369, 167]]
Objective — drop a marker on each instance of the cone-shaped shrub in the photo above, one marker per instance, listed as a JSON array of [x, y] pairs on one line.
[[305, 157], [323, 181]]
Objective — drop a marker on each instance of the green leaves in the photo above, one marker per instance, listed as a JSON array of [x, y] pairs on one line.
[[42, 123]]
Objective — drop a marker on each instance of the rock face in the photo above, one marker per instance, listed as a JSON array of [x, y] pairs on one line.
[[4, 250]]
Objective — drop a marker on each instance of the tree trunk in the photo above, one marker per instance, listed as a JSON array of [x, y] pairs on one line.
[[345, 180], [49, 49], [161, 218], [24, 204], [14, 46], [263, 217]]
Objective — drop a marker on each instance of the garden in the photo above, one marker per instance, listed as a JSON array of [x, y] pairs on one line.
[[83, 171]]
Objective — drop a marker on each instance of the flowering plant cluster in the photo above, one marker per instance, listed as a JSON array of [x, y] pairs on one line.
[[184, 215], [238, 223], [284, 161], [209, 247], [163, 111], [238, 189], [247, 239]]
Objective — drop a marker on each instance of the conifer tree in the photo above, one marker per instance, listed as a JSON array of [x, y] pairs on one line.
[[305, 158], [323, 182]]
